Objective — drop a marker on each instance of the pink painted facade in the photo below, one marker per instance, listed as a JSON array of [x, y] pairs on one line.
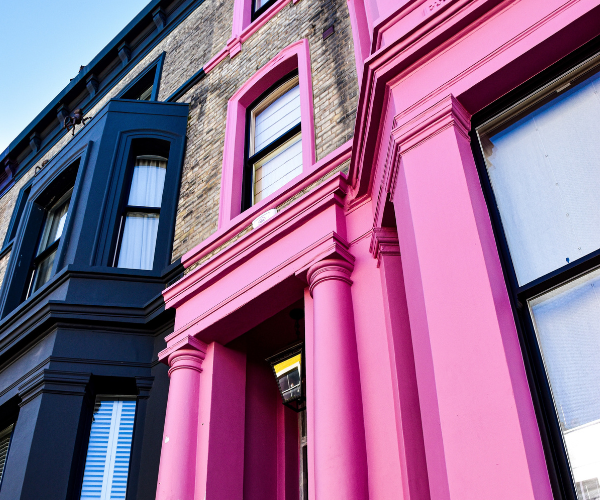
[[416, 384]]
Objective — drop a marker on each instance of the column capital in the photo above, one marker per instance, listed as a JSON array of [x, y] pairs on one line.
[[187, 352], [329, 269], [410, 130], [384, 242]]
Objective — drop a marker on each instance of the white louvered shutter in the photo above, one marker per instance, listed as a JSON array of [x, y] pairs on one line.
[[277, 118], [279, 169], [109, 450], [5, 436]]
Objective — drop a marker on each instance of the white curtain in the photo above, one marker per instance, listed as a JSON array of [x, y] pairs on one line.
[[109, 450], [567, 324], [545, 173], [277, 118], [138, 241], [278, 170], [148, 182], [55, 224]]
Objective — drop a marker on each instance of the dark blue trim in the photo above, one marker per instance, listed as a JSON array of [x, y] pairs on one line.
[[187, 85]]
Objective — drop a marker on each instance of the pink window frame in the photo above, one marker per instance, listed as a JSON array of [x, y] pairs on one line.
[[294, 56], [243, 26]]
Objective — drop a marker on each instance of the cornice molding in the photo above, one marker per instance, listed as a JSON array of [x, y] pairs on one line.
[[417, 43], [330, 246], [144, 385], [384, 242], [105, 58], [331, 193], [447, 112], [410, 132], [53, 382]]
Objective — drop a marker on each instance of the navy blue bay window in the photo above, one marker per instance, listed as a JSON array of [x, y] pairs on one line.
[[106, 203]]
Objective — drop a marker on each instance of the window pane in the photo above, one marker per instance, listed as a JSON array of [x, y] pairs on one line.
[[567, 325], [5, 436], [138, 241], [277, 169], [43, 272], [545, 172], [277, 118], [109, 450], [146, 94], [55, 224], [148, 181]]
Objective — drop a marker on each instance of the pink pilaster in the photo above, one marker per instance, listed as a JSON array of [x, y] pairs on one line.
[[479, 426], [385, 247], [340, 453], [176, 476]]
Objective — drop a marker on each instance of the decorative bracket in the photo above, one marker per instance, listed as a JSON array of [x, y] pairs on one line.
[[124, 53], [159, 17]]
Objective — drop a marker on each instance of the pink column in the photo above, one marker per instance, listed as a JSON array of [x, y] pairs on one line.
[[177, 472], [479, 426], [339, 439]]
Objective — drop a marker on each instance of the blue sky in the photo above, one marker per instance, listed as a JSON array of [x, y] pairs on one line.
[[42, 45]]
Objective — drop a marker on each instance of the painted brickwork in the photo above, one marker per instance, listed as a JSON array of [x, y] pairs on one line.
[[335, 93], [193, 43]]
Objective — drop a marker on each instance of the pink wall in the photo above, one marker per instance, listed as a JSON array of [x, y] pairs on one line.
[[260, 445], [416, 387]]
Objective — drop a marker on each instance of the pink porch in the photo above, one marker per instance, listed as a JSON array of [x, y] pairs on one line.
[[416, 387]]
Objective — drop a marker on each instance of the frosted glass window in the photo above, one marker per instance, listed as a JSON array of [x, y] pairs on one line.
[[277, 169], [142, 214], [109, 450], [277, 118], [544, 168], [567, 325]]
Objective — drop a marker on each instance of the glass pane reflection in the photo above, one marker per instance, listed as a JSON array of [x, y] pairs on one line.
[[289, 385], [567, 324]]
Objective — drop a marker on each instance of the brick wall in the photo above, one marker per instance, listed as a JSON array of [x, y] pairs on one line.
[[335, 93]]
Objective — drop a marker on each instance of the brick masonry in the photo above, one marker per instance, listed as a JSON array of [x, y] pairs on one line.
[[335, 93], [193, 43]]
